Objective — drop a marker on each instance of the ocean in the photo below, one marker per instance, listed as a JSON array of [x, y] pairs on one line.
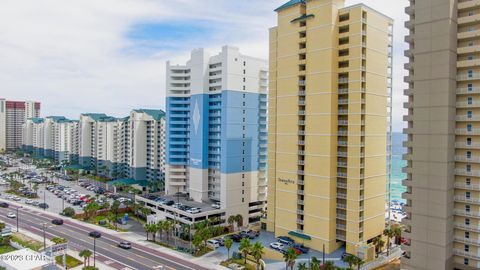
[[396, 188]]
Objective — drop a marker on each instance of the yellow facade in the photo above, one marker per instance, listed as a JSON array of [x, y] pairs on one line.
[[328, 124]]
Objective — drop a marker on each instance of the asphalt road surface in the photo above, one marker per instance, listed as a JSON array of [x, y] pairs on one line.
[[139, 257]]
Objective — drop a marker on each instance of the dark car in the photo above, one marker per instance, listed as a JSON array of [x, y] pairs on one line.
[[236, 237], [4, 205], [303, 249], [125, 245], [43, 205], [169, 203], [345, 255], [57, 221], [286, 240]]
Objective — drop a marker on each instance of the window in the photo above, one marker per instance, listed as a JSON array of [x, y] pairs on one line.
[[467, 208], [471, 43], [470, 87], [466, 248], [470, 100], [468, 181], [471, 13], [467, 221], [470, 57], [468, 167], [243, 176], [469, 127], [467, 235], [469, 114], [471, 29], [469, 154], [244, 63], [244, 71], [467, 194], [243, 184], [243, 199], [470, 73]]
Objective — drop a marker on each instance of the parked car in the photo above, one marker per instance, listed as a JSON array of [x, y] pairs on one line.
[[43, 205], [213, 243], [28, 201], [216, 205], [250, 234], [11, 215], [35, 203], [4, 205], [236, 237], [125, 245], [303, 249], [57, 221], [286, 240], [194, 210], [277, 246]]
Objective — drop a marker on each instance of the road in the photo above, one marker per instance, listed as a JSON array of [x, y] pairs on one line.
[[139, 257]]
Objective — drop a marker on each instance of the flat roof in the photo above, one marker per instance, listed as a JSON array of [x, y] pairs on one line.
[[31, 259]]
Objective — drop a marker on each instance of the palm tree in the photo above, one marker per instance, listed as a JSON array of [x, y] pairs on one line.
[[389, 233], [314, 264], [378, 243], [358, 262], [397, 232], [350, 260], [329, 265], [160, 229], [239, 220], [197, 241], [228, 245], [153, 230], [245, 248], [257, 253], [85, 254], [115, 209], [290, 257], [35, 188], [302, 266], [168, 226], [146, 227]]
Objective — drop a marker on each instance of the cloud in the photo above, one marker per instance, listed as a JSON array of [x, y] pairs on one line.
[[109, 55]]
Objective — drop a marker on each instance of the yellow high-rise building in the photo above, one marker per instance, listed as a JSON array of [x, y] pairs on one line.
[[329, 124]]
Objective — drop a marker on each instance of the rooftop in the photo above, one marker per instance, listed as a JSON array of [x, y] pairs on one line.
[[156, 114], [290, 3], [35, 260]]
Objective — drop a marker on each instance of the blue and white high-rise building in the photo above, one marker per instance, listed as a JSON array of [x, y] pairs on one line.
[[217, 130]]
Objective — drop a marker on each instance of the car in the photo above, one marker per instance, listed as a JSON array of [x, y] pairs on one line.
[[286, 240], [125, 245], [216, 205], [4, 205], [236, 237], [277, 246], [345, 254], [11, 215], [250, 234], [194, 210], [16, 198], [35, 203], [221, 241], [213, 243], [28, 201], [57, 221], [303, 249], [43, 205]]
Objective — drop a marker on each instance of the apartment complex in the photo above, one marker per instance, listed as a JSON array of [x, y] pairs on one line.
[[13, 114], [217, 131], [130, 147], [329, 124], [443, 163]]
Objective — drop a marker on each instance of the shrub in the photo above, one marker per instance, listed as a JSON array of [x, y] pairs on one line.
[[68, 212]]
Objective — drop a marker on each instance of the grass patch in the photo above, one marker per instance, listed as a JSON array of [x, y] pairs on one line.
[[240, 262], [19, 194], [6, 249], [26, 242], [71, 261]]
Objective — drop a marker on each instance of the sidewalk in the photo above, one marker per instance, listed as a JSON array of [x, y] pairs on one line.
[[207, 261]]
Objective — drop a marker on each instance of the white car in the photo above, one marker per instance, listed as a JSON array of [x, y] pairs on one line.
[[216, 205], [15, 198], [277, 245], [213, 243], [194, 210], [9, 197], [11, 215], [28, 201]]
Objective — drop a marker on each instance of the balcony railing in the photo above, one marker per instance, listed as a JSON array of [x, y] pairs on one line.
[[465, 227], [467, 159], [465, 186], [464, 131], [475, 173], [474, 90], [467, 104], [464, 213], [463, 253], [467, 145], [467, 118], [464, 199]]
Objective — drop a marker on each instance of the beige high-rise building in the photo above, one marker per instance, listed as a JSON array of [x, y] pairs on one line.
[[329, 124], [443, 171]]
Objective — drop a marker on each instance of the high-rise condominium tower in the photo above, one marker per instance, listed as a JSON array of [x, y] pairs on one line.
[[443, 170], [216, 131], [13, 114], [329, 125]]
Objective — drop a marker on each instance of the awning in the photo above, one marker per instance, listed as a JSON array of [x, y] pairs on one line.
[[299, 235]]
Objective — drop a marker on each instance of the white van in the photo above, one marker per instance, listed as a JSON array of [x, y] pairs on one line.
[[213, 243]]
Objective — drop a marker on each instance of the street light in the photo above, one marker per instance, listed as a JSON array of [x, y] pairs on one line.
[[94, 235], [44, 241], [18, 216]]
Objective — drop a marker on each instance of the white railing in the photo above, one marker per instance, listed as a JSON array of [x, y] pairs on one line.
[[394, 254], [468, 90], [460, 198], [463, 226], [467, 240], [467, 159], [465, 186], [467, 173], [468, 145]]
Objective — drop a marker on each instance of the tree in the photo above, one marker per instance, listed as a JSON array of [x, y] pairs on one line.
[[239, 220], [91, 210], [146, 227], [257, 253], [68, 212], [314, 264], [290, 257], [145, 212], [197, 242], [228, 245], [378, 243], [85, 254], [2, 226], [397, 232], [245, 248], [59, 240], [160, 228], [351, 260], [329, 265], [302, 266], [389, 233], [168, 227], [115, 209], [35, 188]]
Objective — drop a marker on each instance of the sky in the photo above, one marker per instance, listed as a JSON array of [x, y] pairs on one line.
[[109, 55]]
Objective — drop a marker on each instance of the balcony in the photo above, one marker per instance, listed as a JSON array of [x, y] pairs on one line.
[[299, 221], [342, 174], [408, 53], [408, 92], [468, 91], [300, 212], [301, 172], [467, 240], [301, 93], [342, 143], [341, 185], [474, 173], [410, 10], [342, 122], [301, 152], [341, 237], [301, 192], [407, 156], [301, 82], [407, 195], [407, 130], [467, 77], [343, 133], [467, 159], [461, 185], [407, 182], [468, 34], [468, 19], [343, 90], [465, 104], [468, 49], [342, 80], [464, 199], [408, 66], [341, 196], [464, 131], [465, 227], [301, 202], [341, 227], [460, 252], [341, 206], [407, 105], [468, 4], [342, 154], [407, 170], [342, 112], [410, 24], [467, 118], [407, 118], [467, 63], [342, 164], [341, 216], [464, 213]]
